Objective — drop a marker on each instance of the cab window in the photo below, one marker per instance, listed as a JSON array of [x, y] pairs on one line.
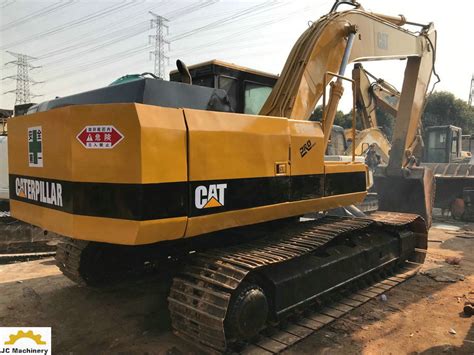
[[230, 85], [255, 97], [437, 147], [204, 81]]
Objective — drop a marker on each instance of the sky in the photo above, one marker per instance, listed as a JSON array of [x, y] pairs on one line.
[[82, 45]]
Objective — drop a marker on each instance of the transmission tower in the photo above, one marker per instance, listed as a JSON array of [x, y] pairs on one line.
[[23, 80], [159, 24], [471, 92]]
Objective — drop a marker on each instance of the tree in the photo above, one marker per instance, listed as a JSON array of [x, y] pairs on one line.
[[443, 108], [386, 122], [341, 119]]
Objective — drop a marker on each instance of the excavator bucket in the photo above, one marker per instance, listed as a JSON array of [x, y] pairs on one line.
[[411, 193]]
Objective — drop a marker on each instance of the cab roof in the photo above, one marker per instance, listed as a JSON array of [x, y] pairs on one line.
[[229, 65]]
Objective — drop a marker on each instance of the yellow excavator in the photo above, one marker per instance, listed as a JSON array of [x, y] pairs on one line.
[[369, 96], [213, 171], [438, 149], [438, 144]]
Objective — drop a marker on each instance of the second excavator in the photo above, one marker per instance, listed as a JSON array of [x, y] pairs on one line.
[[148, 170], [437, 148]]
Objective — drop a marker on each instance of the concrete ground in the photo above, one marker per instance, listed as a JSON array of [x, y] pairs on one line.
[[422, 315]]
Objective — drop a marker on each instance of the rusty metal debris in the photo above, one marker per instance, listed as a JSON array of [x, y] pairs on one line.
[[453, 260]]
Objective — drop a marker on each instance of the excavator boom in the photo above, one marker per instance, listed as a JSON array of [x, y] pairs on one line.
[[324, 47], [357, 35], [371, 95], [415, 183], [443, 156]]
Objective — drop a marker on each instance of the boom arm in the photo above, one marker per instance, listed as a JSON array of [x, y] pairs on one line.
[[386, 97], [379, 93], [370, 95], [321, 49]]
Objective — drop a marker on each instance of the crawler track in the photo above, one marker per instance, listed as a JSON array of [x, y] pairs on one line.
[[202, 294], [99, 264], [207, 286], [68, 258], [301, 326]]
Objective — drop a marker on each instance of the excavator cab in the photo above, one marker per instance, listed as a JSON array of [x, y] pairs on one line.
[[443, 145], [247, 89]]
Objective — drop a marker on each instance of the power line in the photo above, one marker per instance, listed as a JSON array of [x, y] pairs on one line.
[[117, 36], [189, 9], [133, 51], [144, 25], [132, 31], [247, 31], [243, 13], [87, 38], [115, 57], [80, 21], [34, 15], [159, 24], [258, 47], [72, 70], [23, 80], [112, 59], [6, 3]]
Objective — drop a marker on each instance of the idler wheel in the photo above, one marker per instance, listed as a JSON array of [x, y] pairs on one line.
[[247, 313]]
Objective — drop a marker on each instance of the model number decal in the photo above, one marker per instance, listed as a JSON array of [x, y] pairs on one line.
[[207, 196], [305, 148]]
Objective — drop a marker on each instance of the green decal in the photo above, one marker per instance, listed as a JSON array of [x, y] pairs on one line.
[[35, 146]]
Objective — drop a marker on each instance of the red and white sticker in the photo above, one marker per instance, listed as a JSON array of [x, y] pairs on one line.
[[99, 137]]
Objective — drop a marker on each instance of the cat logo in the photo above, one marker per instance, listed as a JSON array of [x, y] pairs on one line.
[[207, 197]]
